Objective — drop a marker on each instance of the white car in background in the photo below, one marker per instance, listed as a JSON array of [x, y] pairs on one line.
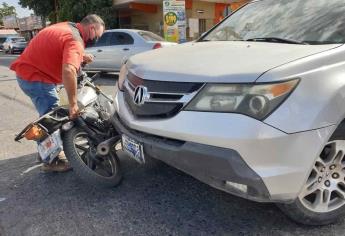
[[116, 46], [14, 44]]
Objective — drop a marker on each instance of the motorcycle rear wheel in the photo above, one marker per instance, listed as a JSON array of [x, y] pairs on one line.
[[81, 153]]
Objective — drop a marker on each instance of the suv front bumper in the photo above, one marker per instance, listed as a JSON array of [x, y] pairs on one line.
[[211, 146], [221, 168]]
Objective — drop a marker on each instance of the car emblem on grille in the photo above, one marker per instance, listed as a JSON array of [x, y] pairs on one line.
[[141, 95]]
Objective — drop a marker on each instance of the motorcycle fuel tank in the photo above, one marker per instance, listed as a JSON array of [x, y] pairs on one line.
[[86, 96]]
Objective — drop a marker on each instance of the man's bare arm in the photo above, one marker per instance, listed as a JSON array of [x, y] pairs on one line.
[[69, 79], [88, 58]]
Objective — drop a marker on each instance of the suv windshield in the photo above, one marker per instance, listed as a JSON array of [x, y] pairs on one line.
[[148, 36], [285, 21]]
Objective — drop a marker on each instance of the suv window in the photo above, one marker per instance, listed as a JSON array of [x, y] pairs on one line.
[[306, 21], [120, 38], [104, 40]]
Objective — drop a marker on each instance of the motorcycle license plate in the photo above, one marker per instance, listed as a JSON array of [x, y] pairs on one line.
[[133, 148], [50, 147]]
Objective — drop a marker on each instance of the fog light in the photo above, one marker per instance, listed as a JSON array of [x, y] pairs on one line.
[[241, 187]]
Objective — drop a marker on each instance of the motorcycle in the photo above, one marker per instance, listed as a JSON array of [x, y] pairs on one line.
[[90, 142]]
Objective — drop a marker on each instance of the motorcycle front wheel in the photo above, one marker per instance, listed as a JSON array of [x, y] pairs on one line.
[[81, 152]]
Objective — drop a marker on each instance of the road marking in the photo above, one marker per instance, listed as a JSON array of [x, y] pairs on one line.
[[31, 168], [2, 199]]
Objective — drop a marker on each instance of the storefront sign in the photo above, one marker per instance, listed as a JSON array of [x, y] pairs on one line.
[[174, 13]]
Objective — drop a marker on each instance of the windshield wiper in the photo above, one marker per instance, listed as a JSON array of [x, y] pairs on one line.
[[276, 40]]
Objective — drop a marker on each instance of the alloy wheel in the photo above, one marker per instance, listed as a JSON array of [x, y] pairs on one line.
[[324, 190]]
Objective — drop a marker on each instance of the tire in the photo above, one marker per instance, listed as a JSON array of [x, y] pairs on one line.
[[83, 171], [322, 202]]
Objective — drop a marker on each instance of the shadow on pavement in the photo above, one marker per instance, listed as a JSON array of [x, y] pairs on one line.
[[154, 199], [13, 98]]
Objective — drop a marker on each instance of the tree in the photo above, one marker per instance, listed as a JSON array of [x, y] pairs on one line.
[[6, 10], [43, 8], [72, 10], [75, 10]]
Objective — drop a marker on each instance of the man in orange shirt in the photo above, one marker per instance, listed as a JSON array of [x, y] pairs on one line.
[[53, 57]]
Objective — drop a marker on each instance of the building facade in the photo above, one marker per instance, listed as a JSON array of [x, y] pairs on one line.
[[148, 14], [28, 27]]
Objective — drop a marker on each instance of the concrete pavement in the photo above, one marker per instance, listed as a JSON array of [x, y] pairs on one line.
[[154, 199]]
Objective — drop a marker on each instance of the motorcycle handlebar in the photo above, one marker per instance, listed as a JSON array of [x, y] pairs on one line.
[[95, 77]]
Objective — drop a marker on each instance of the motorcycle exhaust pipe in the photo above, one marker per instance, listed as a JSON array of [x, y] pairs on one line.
[[104, 148]]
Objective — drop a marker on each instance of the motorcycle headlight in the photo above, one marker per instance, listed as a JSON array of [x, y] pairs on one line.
[[254, 100]]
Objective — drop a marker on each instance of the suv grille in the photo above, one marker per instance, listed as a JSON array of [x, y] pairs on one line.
[[165, 100]]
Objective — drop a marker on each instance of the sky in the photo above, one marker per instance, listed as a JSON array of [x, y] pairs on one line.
[[21, 12]]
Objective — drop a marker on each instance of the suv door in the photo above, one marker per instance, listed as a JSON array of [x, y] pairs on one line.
[[110, 51], [121, 45], [97, 51]]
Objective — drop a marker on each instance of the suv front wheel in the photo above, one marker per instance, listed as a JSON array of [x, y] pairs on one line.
[[322, 200]]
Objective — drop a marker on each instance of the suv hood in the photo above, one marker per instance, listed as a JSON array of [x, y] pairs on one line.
[[231, 62]]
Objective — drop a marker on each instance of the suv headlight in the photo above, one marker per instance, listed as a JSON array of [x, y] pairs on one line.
[[254, 100]]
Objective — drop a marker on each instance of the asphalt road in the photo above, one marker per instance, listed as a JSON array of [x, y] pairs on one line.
[[153, 199]]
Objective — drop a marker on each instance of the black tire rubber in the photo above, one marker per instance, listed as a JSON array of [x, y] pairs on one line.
[[82, 170], [297, 212]]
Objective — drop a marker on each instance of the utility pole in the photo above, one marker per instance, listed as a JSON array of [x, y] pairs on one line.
[[56, 10]]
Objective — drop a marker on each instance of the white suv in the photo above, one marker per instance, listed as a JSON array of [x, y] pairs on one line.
[[254, 108]]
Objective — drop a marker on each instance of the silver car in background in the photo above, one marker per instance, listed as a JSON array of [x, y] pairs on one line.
[[116, 46], [255, 108], [14, 44]]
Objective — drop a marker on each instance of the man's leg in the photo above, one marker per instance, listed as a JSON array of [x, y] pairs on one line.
[[37, 92], [45, 98]]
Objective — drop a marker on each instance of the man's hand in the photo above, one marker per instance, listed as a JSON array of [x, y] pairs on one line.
[[88, 58], [69, 78], [73, 112]]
